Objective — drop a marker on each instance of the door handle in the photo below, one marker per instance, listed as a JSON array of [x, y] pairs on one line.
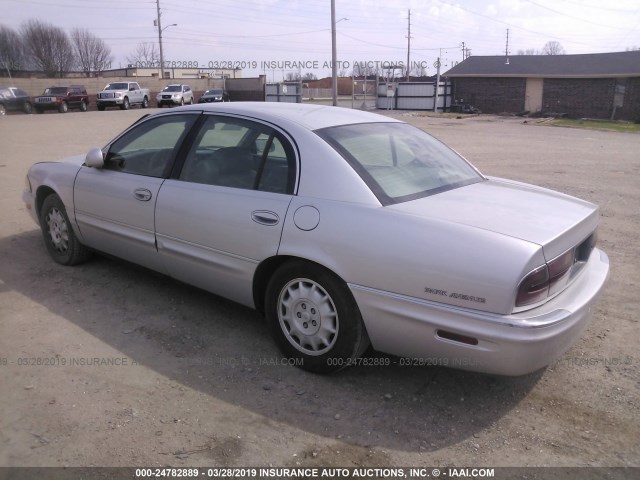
[[265, 217], [142, 194]]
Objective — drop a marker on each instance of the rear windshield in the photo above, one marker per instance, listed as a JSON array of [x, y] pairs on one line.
[[400, 162]]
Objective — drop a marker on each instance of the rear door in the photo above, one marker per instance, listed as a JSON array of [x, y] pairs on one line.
[[114, 205], [222, 213]]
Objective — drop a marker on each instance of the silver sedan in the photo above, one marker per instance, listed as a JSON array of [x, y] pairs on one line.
[[344, 228]]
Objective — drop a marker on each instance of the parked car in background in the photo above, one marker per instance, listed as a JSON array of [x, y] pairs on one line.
[[62, 99], [122, 95], [345, 228], [214, 95], [13, 99], [175, 95]]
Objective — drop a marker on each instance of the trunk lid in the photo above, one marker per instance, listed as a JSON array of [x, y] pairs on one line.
[[553, 220]]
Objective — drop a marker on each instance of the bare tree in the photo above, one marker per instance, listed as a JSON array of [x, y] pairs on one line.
[[418, 71], [11, 50], [92, 53], [553, 48], [48, 47], [529, 51], [309, 76], [145, 55], [361, 69], [292, 77]]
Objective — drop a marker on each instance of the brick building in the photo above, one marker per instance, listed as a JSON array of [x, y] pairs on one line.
[[596, 85]]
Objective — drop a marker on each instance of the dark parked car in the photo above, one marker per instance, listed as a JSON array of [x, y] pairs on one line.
[[14, 99], [62, 99], [214, 95]]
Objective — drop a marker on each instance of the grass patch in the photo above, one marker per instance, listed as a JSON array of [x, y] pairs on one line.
[[597, 125]]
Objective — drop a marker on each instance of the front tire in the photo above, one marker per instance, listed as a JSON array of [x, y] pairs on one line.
[[101, 108], [63, 108], [314, 318], [125, 104], [61, 242]]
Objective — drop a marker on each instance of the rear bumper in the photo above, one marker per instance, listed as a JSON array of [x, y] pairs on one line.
[[514, 344]]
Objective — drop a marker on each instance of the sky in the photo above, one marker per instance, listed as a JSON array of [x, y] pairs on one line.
[[261, 36]]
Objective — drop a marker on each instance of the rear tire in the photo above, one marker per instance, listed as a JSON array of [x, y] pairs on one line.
[[61, 241], [145, 102], [28, 108], [314, 318]]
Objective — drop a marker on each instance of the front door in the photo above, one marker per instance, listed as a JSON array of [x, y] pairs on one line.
[[533, 95], [115, 205]]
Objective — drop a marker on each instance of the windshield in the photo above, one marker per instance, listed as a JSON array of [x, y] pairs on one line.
[[172, 88], [400, 162], [215, 91], [117, 86], [56, 91]]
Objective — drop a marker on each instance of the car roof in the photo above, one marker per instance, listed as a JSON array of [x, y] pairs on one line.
[[312, 117]]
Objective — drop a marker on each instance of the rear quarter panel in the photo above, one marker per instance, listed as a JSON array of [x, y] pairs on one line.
[[375, 247]]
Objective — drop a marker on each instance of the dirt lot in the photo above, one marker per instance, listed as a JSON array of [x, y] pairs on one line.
[[145, 371]]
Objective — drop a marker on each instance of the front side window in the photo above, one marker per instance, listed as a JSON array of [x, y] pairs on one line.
[[400, 162], [150, 147], [238, 153]]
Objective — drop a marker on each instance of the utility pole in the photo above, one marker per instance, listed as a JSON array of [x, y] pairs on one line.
[[408, 43], [463, 52], [334, 59], [435, 100], [506, 50], [160, 41]]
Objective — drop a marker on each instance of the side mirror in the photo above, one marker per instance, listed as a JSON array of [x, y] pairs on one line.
[[94, 158]]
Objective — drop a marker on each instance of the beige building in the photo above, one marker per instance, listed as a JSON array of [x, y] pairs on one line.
[[170, 73]]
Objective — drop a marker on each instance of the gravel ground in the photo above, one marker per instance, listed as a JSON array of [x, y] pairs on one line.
[[136, 369]]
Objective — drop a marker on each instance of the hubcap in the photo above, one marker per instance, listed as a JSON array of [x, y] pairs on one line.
[[308, 316], [58, 230]]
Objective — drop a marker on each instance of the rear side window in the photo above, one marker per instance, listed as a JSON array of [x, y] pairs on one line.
[[237, 153]]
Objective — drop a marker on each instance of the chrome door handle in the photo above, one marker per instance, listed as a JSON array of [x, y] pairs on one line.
[[265, 217], [142, 194]]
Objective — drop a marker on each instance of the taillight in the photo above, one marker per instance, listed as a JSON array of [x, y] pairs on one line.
[[553, 276], [534, 287], [560, 270]]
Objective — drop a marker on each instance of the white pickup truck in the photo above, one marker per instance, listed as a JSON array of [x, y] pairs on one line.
[[123, 95]]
